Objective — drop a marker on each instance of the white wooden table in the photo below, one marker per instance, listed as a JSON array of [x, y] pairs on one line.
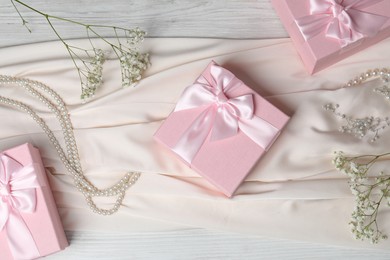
[[160, 18], [168, 18]]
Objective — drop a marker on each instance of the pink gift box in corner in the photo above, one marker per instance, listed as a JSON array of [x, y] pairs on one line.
[[327, 31], [220, 128], [30, 226]]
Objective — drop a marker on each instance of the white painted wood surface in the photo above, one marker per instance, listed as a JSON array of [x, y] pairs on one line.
[[160, 18], [201, 245], [168, 18]]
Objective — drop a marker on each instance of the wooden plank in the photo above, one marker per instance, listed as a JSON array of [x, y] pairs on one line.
[[200, 244], [160, 18]]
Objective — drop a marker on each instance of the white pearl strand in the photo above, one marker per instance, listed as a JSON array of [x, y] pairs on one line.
[[383, 73], [71, 160]]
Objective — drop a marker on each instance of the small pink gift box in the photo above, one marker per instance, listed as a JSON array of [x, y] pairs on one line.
[[30, 226], [327, 31], [220, 128]]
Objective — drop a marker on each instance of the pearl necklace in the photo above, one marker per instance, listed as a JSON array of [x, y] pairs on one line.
[[71, 158], [383, 73]]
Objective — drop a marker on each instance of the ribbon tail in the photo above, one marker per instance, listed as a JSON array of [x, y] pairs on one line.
[[193, 138], [4, 213], [367, 24], [260, 131], [225, 125], [361, 4], [20, 240]]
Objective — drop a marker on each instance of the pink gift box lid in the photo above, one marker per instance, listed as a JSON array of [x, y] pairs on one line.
[[44, 224], [320, 51], [227, 162]]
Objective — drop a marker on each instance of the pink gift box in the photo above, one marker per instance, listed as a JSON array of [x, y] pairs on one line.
[[317, 48], [225, 154], [43, 223]]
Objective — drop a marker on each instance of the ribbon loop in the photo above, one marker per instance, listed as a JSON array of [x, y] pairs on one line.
[[17, 195], [222, 115], [343, 20]]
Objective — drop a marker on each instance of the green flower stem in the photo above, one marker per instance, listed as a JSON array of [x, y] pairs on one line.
[[44, 14], [133, 63], [48, 17], [21, 17]]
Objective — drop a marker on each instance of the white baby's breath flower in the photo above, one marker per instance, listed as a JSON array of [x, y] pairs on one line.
[[369, 194], [94, 78], [133, 64], [135, 36]]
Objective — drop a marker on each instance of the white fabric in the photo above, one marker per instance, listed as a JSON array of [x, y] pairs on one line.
[[293, 192]]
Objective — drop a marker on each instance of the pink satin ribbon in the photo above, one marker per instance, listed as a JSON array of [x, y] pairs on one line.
[[344, 20], [221, 114], [17, 195]]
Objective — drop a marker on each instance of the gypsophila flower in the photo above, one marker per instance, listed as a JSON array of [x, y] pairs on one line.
[[94, 75], [370, 193], [362, 128], [125, 45], [133, 64], [348, 166], [135, 37], [339, 160]]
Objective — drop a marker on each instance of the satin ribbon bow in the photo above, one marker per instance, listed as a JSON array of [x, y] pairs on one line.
[[344, 20], [221, 114], [17, 195]]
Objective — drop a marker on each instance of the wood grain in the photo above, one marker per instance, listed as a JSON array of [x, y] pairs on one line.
[[160, 18], [200, 245]]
